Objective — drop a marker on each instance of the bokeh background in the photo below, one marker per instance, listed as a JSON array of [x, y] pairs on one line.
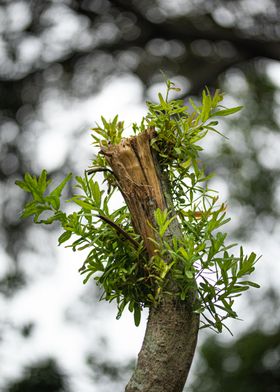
[[62, 65]]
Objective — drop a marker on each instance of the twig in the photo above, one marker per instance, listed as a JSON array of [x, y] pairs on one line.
[[120, 230], [99, 169]]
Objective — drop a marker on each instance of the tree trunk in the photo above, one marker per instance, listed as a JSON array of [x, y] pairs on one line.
[[171, 334]]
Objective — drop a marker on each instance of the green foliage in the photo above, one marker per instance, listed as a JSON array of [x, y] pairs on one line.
[[110, 133], [42, 203], [177, 132], [199, 259], [115, 255], [249, 363]]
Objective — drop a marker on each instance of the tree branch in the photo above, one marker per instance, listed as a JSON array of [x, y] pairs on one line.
[[99, 169], [171, 334], [120, 230]]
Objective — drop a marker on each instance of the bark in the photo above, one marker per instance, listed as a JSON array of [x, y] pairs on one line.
[[171, 334]]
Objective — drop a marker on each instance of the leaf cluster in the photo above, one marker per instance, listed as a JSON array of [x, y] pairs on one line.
[[116, 258], [178, 130], [111, 132], [199, 261], [41, 202]]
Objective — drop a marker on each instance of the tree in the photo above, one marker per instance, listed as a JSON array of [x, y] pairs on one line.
[[231, 45], [162, 248]]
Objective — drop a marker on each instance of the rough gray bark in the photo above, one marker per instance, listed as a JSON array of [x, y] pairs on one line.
[[171, 334], [168, 348]]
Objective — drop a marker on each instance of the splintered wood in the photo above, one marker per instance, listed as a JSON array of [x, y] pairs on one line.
[[139, 181]]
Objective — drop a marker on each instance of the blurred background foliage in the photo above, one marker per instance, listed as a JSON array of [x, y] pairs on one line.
[[249, 364], [45, 376], [54, 53]]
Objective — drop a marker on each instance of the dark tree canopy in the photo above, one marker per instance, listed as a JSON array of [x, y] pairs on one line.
[[250, 363], [44, 376]]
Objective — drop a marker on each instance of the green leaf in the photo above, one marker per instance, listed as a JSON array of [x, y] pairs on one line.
[[96, 193], [189, 274], [234, 268], [252, 258], [226, 112], [42, 181], [184, 253], [164, 227], [238, 289], [90, 273], [131, 306], [162, 102], [58, 216], [32, 184], [64, 237], [121, 309], [23, 185], [83, 204], [53, 201], [218, 97], [196, 108], [249, 283], [58, 190], [206, 105], [137, 315], [33, 208]]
